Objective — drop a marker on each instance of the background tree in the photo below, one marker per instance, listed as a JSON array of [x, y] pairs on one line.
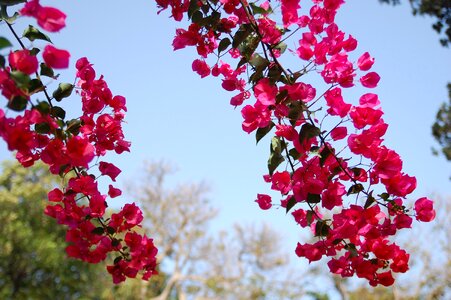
[[33, 263], [196, 263], [440, 11]]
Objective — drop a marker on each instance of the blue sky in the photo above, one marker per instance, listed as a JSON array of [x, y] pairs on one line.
[[176, 116]]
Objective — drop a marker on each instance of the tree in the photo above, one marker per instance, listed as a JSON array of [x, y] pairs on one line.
[[441, 130], [33, 264], [441, 11], [197, 263], [437, 9]]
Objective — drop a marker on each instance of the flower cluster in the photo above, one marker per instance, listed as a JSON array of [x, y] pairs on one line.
[[73, 148], [343, 183]]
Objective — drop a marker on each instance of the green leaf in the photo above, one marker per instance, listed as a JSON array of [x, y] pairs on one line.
[[2, 61], [110, 230], [42, 128], [384, 196], [296, 109], [4, 43], [223, 44], [310, 214], [34, 51], [258, 62], [313, 198], [198, 18], [117, 260], [261, 132], [355, 189], [58, 112], [352, 249], [43, 107], [20, 78], [46, 71], [321, 228], [64, 90], [98, 231], [290, 203], [33, 33], [115, 242], [324, 154], [18, 103], [73, 126], [275, 159], [193, 7], [369, 201], [35, 86], [282, 47], [294, 153], [308, 131], [244, 31]]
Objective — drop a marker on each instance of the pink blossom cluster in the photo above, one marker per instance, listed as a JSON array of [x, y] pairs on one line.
[[72, 149], [344, 184]]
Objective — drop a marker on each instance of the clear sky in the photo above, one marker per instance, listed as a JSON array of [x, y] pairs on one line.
[[176, 116]]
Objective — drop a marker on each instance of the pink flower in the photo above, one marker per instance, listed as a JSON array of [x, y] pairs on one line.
[[337, 107], [49, 18], [201, 68], [80, 151], [265, 92], [55, 195], [109, 169], [23, 61], [365, 62], [424, 209], [56, 58], [281, 181], [264, 201], [113, 192], [339, 133], [370, 80]]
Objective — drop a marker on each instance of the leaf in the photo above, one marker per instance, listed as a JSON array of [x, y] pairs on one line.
[[46, 71], [244, 31], [43, 107], [35, 86], [281, 47], [193, 7], [2, 61], [4, 43], [73, 126], [310, 214], [64, 90], [20, 78], [308, 131], [18, 103], [290, 203], [110, 230], [384, 196], [294, 153], [261, 132], [42, 128], [313, 198], [321, 228], [369, 201], [355, 189], [275, 159], [223, 44], [33, 33], [58, 112], [296, 109], [324, 154], [258, 62], [98, 231], [117, 260]]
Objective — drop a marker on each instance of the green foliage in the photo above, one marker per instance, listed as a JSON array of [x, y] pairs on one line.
[[33, 263], [441, 130], [440, 10]]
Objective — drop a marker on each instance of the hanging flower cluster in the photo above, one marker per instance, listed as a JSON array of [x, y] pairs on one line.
[[327, 156], [36, 128]]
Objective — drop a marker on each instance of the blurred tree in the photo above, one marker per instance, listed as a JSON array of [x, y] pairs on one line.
[[243, 264], [439, 10], [33, 264], [442, 127]]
